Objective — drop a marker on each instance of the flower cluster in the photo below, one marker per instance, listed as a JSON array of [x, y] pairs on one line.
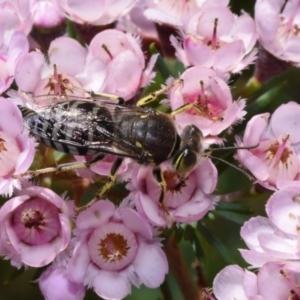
[[77, 77]]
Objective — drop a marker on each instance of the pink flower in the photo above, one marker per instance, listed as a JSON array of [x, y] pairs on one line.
[[35, 227], [15, 15], [273, 282], [35, 75], [274, 238], [16, 148], [275, 162], [187, 199], [13, 46], [175, 12], [114, 249], [214, 109], [215, 38], [277, 24], [99, 12], [235, 283], [105, 67], [46, 13], [116, 64], [55, 284]]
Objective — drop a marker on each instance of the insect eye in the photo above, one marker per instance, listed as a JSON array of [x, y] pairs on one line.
[[184, 161]]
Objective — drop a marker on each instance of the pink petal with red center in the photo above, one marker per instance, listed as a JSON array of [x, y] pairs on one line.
[[111, 285], [229, 283], [115, 41], [197, 52], [250, 284], [99, 213], [160, 16], [256, 259], [116, 8], [9, 206], [5, 79], [180, 52], [47, 194], [55, 284], [121, 79], [148, 73], [10, 114], [220, 92], [89, 10], [132, 220], [26, 157], [255, 128], [28, 71], [18, 47], [151, 209], [253, 228], [272, 285], [285, 120], [150, 264], [207, 176], [229, 55], [9, 154], [292, 50], [254, 164], [267, 21], [194, 210], [78, 264], [283, 209], [242, 29], [41, 255], [63, 47], [46, 14], [280, 247], [207, 18]]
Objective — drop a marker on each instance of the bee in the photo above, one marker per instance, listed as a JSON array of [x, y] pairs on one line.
[[98, 126]]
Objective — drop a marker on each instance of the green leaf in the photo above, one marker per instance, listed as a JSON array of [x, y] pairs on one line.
[[216, 243], [193, 236], [234, 217], [160, 63], [14, 274], [234, 207]]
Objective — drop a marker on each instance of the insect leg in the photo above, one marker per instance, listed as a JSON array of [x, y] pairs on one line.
[[188, 106], [159, 177], [92, 94], [152, 97], [63, 167], [111, 179]]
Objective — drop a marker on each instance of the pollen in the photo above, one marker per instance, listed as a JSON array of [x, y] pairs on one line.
[[113, 247], [174, 181], [279, 152], [31, 218], [2, 147]]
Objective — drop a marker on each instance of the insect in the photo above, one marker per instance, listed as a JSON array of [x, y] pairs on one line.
[[97, 126]]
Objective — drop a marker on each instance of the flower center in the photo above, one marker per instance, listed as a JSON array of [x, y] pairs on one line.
[[174, 181], [2, 146], [31, 218], [279, 152], [205, 104], [112, 246], [36, 221]]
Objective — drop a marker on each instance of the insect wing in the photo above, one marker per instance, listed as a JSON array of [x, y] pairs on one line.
[[82, 127]]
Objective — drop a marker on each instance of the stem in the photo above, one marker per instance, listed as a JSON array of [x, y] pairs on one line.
[[180, 270]]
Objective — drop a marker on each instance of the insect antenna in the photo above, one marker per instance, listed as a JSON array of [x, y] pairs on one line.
[[228, 163]]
